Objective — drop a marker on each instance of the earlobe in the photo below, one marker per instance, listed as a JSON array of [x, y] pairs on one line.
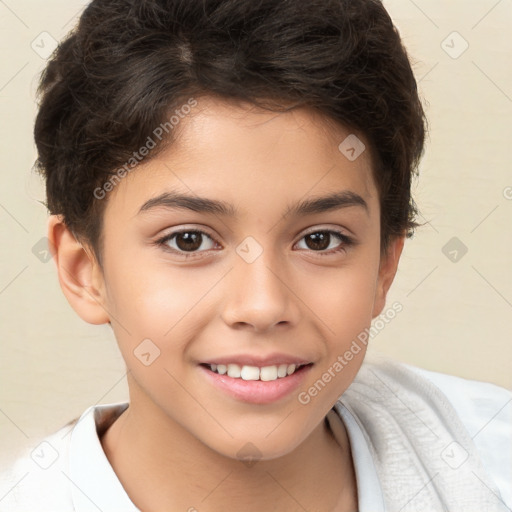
[[79, 274], [387, 271]]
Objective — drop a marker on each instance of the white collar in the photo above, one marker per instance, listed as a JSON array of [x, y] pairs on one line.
[[94, 484], [369, 491], [96, 487]]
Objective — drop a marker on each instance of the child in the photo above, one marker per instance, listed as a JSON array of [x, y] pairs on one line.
[[198, 156]]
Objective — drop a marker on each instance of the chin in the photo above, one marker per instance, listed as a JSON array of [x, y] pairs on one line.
[[250, 449]]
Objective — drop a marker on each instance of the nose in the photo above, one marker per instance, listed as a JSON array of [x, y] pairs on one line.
[[259, 295]]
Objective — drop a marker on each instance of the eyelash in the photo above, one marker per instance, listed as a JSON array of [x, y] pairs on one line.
[[347, 242]]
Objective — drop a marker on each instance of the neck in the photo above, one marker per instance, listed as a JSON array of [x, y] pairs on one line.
[[167, 468]]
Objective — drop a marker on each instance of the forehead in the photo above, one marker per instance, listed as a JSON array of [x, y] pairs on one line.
[[248, 156]]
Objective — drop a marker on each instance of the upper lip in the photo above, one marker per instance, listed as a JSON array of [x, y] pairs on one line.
[[255, 360]]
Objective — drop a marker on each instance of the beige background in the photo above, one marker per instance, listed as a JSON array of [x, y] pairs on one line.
[[456, 316]]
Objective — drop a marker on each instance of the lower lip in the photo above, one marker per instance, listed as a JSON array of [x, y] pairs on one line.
[[257, 391]]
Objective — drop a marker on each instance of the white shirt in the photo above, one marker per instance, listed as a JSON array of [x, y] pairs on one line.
[[69, 471]]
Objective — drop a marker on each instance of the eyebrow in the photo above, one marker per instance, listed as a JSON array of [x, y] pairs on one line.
[[331, 202]]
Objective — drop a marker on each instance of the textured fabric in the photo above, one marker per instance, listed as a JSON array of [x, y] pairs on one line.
[[424, 454], [401, 426], [486, 411], [80, 479]]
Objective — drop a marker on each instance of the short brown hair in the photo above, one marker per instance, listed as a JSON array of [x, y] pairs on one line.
[[129, 64]]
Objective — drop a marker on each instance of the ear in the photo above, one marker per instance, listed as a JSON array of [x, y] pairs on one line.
[[80, 275], [387, 270]]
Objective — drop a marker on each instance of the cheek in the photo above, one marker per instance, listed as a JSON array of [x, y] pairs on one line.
[[342, 302], [157, 310], [149, 293], [156, 300], [342, 299]]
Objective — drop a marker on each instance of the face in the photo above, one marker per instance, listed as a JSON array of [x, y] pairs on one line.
[[258, 281]]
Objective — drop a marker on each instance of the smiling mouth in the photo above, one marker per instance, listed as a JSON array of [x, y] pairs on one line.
[[247, 372]]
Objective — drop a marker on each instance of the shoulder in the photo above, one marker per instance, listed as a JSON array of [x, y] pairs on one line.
[[485, 409], [67, 470], [36, 480], [474, 401]]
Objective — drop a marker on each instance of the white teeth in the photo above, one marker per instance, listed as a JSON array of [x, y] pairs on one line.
[[266, 373], [281, 371], [290, 369], [234, 371], [250, 373]]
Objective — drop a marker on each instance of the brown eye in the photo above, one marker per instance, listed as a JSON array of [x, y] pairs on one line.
[[187, 241], [318, 241]]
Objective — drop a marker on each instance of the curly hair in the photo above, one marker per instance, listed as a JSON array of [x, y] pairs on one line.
[[128, 64]]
